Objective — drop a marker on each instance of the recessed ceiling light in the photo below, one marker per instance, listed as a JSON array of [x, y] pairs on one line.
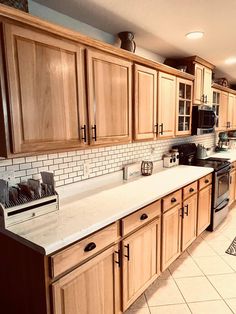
[[194, 35], [231, 60]]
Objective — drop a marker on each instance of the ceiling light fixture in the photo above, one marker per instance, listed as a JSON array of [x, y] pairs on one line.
[[194, 35], [231, 60]]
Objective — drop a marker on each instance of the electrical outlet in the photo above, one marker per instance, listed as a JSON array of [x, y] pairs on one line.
[[7, 175], [87, 169]]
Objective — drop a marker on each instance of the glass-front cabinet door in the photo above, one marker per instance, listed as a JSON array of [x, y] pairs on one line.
[[184, 106], [216, 105]]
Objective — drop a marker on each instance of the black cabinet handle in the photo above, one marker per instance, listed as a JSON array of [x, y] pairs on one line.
[[173, 200], [191, 190], [94, 128], [186, 212], [206, 181], [161, 127], [85, 133], [203, 98], [127, 246], [119, 259], [143, 217], [206, 99], [89, 247]]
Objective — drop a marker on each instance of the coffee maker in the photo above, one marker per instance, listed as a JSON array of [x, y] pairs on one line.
[[223, 143]]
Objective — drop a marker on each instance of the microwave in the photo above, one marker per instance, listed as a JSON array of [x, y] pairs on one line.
[[203, 120]]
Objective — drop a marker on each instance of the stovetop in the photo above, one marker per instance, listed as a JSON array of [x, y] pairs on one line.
[[215, 163]]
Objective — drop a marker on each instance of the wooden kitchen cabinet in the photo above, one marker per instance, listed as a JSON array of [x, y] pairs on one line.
[[231, 111], [202, 85], [171, 235], [141, 261], [189, 225], [216, 106], [91, 288], [223, 112], [204, 209], [46, 90], [166, 104], [145, 103], [207, 81], [184, 106], [109, 98]]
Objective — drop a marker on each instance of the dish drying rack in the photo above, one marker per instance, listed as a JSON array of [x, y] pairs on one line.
[[26, 208]]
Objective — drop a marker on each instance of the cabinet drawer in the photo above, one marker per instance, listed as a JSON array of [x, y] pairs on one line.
[[205, 181], [189, 190], [140, 217], [84, 249], [172, 200]]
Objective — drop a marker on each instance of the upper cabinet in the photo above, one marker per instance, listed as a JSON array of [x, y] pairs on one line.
[[109, 98], [223, 111], [216, 106], [231, 122], [166, 104], [46, 91], [184, 107], [202, 85], [145, 103]]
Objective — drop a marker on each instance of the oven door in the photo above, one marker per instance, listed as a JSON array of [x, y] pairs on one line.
[[222, 178]]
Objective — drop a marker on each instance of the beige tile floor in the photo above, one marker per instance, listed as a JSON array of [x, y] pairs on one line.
[[201, 281]]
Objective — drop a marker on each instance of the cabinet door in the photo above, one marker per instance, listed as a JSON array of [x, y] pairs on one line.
[[166, 104], [234, 112], [145, 103], [171, 236], [223, 111], [184, 106], [232, 187], [198, 84], [231, 111], [141, 261], [207, 85], [216, 106], [91, 288], [46, 90], [189, 226], [109, 98], [204, 209]]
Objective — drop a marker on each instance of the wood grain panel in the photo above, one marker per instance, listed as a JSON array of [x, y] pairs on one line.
[[206, 180], [166, 104], [204, 209], [190, 189], [109, 98], [145, 103], [46, 90], [171, 200], [91, 288], [75, 254], [142, 265]]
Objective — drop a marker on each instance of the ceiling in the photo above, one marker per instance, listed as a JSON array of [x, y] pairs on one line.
[[161, 25]]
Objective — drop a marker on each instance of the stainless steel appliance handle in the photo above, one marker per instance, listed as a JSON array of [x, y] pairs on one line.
[[223, 171], [223, 206]]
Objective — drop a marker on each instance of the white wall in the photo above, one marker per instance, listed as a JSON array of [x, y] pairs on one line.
[[64, 20]]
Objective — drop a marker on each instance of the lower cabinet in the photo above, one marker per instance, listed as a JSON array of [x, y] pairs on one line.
[[91, 288], [204, 209], [232, 180], [171, 235], [141, 261], [189, 226]]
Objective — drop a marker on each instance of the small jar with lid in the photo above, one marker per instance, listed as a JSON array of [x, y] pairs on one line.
[[168, 160], [175, 155]]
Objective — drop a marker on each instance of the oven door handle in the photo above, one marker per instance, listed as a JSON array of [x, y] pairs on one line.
[[223, 171], [226, 202]]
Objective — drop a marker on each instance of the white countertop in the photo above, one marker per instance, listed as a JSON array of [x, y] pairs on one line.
[[231, 154], [83, 213]]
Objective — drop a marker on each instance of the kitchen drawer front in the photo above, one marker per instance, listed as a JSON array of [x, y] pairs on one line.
[[172, 200], [139, 218], [75, 254], [205, 181], [189, 190]]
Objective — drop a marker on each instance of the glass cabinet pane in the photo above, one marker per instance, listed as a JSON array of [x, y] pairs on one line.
[[214, 98], [188, 92], [181, 107], [188, 105], [187, 123], [181, 90], [181, 124]]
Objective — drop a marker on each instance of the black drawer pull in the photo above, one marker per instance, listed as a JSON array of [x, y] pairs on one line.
[[143, 217], [89, 247], [206, 181], [173, 200], [191, 190]]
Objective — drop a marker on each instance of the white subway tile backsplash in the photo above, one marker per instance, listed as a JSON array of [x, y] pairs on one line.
[[68, 166]]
